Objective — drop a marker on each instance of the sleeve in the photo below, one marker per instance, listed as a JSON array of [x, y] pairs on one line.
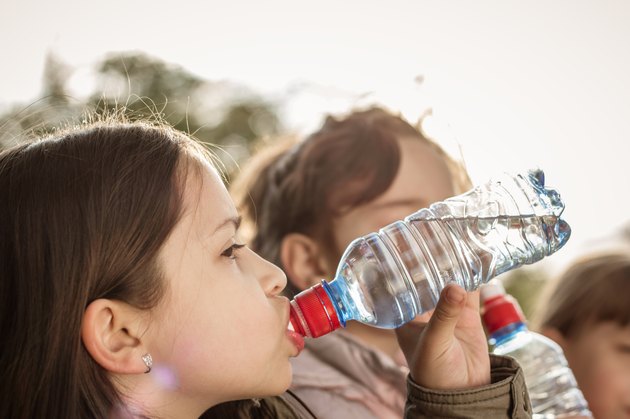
[[505, 397]]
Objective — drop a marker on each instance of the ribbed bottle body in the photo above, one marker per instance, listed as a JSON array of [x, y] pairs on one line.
[[387, 278]]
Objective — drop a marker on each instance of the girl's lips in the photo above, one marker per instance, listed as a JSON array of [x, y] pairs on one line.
[[297, 339]]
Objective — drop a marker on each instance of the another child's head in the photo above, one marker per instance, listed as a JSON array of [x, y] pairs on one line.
[[354, 175], [587, 311], [120, 241]]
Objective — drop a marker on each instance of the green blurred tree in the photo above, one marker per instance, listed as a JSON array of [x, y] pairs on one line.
[[52, 109], [525, 284], [146, 87], [54, 80], [222, 113]]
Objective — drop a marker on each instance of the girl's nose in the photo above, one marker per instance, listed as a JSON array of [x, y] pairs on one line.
[[272, 278]]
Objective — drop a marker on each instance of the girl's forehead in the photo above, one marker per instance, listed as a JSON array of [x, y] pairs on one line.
[[198, 171], [205, 196]]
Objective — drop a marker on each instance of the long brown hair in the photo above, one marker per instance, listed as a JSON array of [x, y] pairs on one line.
[[301, 186], [82, 216]]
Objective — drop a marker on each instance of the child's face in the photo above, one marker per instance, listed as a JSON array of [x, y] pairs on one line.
[[600, 359], [422, 179], [221, 331]]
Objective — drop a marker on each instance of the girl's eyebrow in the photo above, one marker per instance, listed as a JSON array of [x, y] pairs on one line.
[[233, 221]]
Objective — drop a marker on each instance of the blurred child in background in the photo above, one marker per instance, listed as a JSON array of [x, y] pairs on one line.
[[587, 312]]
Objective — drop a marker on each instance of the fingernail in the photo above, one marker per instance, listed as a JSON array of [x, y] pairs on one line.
[[455, 294]]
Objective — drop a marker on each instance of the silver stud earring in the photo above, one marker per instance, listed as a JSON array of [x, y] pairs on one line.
[[148, 361]]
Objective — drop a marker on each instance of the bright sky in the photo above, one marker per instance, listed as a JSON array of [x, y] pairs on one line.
[[520, 84]]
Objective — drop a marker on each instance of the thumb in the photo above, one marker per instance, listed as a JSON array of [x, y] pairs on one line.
[[441, 327]]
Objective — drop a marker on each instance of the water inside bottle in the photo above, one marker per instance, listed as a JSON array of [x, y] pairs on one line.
[[397, 274], [473, 250]]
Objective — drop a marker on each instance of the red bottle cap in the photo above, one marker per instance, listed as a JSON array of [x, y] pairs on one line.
[[499, 309], [312, 312]]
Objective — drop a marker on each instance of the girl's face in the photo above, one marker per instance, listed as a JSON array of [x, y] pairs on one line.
[[600, 359], [422, 179], [221, 331]]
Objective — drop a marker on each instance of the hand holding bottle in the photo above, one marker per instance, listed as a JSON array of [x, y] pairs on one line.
[[450, 351]]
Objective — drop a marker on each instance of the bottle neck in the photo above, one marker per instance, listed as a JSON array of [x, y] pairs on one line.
[[337, 291], [507, 332], [314, 313]]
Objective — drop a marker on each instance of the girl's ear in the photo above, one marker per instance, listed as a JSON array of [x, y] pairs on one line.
[[303, 261], [112, 334], [555, 335]]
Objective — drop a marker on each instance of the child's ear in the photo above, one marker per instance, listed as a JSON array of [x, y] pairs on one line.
[[303, 261], [555, 335], [112, 334]]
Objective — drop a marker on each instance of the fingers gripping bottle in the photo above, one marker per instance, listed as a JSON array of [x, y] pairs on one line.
[[552, 388], [386, 278]]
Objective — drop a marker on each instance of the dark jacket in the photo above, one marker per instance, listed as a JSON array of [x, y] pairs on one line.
[[505, 397]]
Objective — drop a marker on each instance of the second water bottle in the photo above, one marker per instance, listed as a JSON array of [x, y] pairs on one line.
[[552, 387]]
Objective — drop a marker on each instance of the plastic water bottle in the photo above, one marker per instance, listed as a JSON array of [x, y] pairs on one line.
[[552, 388], [385, 279]]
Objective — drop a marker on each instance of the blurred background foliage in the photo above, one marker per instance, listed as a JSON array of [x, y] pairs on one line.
[[526, 284], [221, 113]]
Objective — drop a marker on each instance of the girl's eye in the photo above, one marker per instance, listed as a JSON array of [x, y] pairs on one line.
[[230, 252]]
